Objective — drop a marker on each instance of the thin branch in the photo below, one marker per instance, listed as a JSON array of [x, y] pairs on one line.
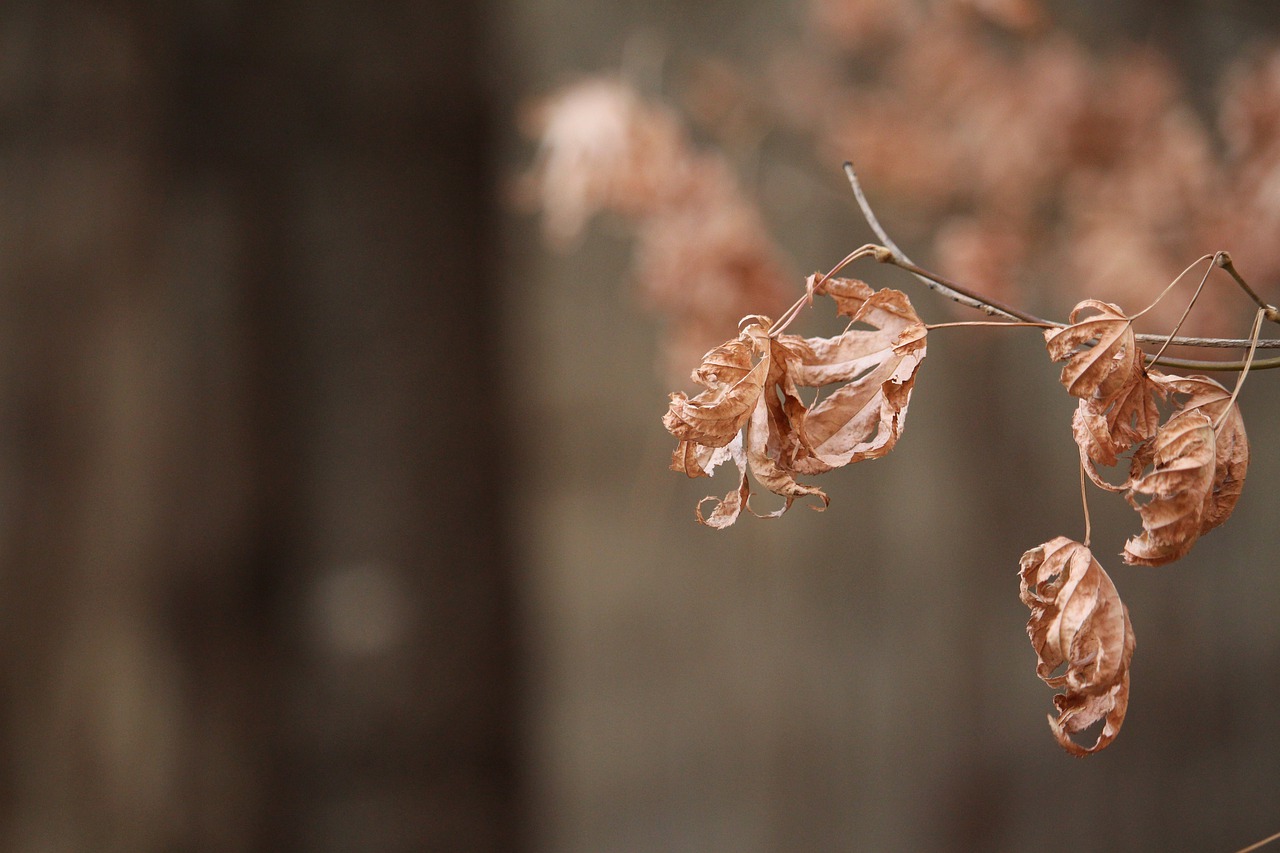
[[1258, 844], [1013, 324], [889, 253], [896, 256], [1223, 259], [962, 294], [1224, 366], [1143, 337]]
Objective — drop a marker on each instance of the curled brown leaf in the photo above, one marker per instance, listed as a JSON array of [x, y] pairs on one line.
[[864, 417], [1104, 369], [1231, 444], [733, 374], [1078, 619], [1173, 496], [1105, 428], [752, 411]]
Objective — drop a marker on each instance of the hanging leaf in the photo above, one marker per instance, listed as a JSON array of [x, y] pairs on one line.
[[733, 384], [1104, 429], [864, 417], [728, 508], [1231, 445], [1078, 619], [752, 397], [1173, 496], [1100, 349]]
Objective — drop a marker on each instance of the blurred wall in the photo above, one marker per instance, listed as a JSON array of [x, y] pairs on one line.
[[254, 577]]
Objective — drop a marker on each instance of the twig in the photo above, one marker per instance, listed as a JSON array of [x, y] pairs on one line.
[[1258, 844], [1224, 366], [1015, 324], [1223, 259], [889, 253], [898, 258]]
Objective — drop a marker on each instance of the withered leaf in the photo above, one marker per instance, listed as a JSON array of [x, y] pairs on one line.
[[1173, 496], [1103, 429], [733, 384], [728, 508], [1100, 371], [767, 433], [1231, 445], [1078, 619], [864, 417], [753, 397]]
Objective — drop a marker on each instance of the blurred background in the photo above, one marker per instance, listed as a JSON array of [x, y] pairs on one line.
[[334, 510]]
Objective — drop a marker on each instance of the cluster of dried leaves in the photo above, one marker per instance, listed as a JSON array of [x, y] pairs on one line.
[[751, 411], [1027, 158], [1184, 436], [1186, 471]]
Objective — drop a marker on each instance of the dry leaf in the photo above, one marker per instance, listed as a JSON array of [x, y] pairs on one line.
[[1103, 429], [1101, 371], [1231, 445], [862, 419], [1177, 490], [752, 412], [728, 508], [733, 384], [1078, 619]]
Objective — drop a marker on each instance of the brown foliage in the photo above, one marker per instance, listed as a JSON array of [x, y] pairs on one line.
[[752, 404], [1198, 461], [1078, 619], [1025, 159], [1176, 490], [1102, 355]]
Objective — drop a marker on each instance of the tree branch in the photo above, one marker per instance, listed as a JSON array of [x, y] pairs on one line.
[[889, 253]]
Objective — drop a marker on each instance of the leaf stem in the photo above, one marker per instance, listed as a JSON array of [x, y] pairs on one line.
[[791, 313], [1186, 311], [1235, 392], [1084, 500], [1258, 844], [1177, 279]]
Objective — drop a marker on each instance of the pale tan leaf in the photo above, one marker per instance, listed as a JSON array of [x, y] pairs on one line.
[[692, 459], [1102, 370], [1231, 464], [764, 435], [864, 417], [1173, 496], [753, 397], [1078, 620]]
